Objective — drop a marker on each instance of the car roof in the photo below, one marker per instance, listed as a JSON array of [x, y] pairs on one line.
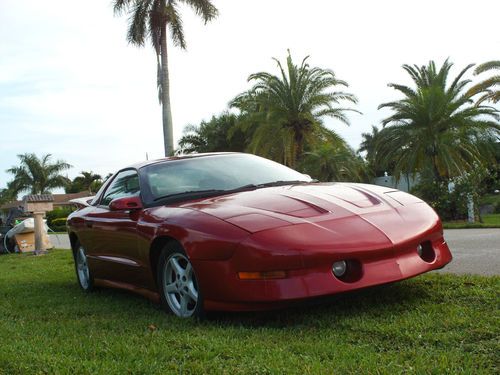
[[177, 157]]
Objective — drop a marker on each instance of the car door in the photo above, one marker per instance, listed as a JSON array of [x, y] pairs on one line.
[[114, 245]]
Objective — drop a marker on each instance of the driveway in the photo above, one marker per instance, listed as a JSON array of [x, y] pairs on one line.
[[474, 250]]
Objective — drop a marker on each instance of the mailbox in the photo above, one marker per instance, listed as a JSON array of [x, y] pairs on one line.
[[38, 205]]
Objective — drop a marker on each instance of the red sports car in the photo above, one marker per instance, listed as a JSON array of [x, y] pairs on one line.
[[230, 231]]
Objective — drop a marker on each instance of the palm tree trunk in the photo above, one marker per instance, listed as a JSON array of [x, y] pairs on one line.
[[168, 137]]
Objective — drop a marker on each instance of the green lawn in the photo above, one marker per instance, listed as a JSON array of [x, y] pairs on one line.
[[432, 324], [489, 221]]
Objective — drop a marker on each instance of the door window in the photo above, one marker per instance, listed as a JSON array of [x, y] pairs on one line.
[[125, 184]]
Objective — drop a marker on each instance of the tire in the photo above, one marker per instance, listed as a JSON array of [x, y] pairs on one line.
[[82, 269], [178, 286]]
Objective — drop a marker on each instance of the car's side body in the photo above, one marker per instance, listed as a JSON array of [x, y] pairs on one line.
[[298, 230]]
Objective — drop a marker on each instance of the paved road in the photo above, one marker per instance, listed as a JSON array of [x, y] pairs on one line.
[[474, 250]]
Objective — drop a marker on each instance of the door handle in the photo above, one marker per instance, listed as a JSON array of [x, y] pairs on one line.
[[89, 224]]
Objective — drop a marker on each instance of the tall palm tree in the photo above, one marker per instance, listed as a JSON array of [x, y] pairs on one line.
[[489, 88], [37, 175], [149, 19], [435, 128], [289, 108]]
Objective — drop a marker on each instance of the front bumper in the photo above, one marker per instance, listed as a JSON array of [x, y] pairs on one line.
[[309, 274]]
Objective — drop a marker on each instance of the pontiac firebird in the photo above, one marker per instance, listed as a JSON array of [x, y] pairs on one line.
[[231, 231]]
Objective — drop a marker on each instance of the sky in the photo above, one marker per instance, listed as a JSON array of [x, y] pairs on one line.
[[71, 85]]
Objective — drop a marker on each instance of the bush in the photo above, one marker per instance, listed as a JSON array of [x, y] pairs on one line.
[[59, 224], [59, 228], [58, 213], [453, 205], [449, 206]]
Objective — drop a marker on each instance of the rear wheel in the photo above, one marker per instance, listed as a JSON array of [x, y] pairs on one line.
[[83, 274], [178, 286]]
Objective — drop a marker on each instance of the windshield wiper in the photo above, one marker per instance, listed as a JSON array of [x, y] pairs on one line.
[[274, 183], [281, 183], [191, 192]]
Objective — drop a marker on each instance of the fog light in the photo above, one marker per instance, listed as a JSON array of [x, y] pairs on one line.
[[420, 250], [339, 268]]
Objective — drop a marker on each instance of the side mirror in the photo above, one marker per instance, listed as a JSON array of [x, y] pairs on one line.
[[126, 204]]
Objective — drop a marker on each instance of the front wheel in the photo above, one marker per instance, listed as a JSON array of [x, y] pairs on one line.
[[180, 292], [83, 274]]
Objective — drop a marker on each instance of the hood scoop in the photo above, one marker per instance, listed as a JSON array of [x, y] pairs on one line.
[[287, 204], [354, 196], [309, 211]]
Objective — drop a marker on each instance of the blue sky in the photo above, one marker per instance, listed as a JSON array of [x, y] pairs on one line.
[[70, 85]]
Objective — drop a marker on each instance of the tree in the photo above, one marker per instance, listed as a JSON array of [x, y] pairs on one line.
[[334, 162], [369, 145], [86, 181], [37, 175], [221, 133], [435, 129], [288, 109], [5, 196], [149, 19], [489, 87]]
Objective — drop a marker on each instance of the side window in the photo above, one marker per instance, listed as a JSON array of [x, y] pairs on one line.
[[125, 184]]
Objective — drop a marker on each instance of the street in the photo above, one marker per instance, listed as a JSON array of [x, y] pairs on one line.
[[474, 251]]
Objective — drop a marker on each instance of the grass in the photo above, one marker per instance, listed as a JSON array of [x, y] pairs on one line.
[[489, 221], [434, 323], [493, 199]]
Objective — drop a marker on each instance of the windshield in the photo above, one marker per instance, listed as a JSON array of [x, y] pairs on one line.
[[214, 173]]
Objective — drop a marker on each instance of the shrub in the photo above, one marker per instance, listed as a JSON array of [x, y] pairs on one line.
[[59, 224], [448, 205], [58, 213], [452, 205]]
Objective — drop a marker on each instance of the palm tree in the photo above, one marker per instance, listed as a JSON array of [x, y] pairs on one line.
[[86, 181], [488, 87], [369, 146], [37, 175], [221, 133], [369, 143], [333, 162], [435, 129], [149, 19], [289, 108]]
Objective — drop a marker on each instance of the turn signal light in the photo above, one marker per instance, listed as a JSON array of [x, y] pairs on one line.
[[262, 275]]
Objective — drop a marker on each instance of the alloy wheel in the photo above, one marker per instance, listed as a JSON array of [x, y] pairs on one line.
[[82, 268], [180, 286]]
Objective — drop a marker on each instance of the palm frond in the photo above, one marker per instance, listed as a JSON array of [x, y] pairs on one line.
[[203, 8]]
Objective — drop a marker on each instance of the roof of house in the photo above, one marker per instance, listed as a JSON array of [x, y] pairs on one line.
[[38, 198], [59, 200]]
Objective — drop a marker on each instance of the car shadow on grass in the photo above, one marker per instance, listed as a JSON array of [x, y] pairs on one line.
[[369, 302]]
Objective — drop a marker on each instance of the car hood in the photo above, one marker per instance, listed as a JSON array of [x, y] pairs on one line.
[[321, 204]]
